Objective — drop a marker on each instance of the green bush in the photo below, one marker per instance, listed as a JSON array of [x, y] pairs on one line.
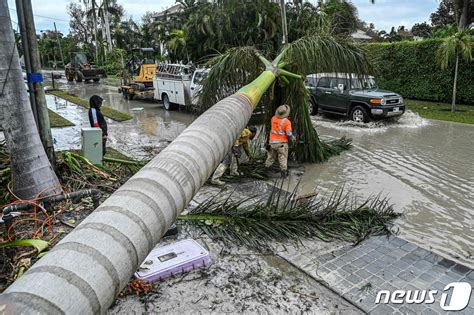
[[113, 65], [410, 69]]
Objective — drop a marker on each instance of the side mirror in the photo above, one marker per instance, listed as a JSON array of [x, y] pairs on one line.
[[340, 87]]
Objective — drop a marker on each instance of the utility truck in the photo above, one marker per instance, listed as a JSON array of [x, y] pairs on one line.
[[178, 85]]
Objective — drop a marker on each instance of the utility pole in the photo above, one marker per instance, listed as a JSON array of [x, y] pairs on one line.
[[59, 44], [283, 23], [34, 76], [26, 57]]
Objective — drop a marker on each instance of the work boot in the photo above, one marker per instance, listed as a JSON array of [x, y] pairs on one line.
[[216, 177], [284, 174], [234, 170]]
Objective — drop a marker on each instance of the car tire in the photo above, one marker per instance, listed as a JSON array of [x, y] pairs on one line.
[[359, 114], [166, 102], [312, 106], [96, 80]]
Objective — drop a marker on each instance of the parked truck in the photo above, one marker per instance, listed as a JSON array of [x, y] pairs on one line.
[[142, 72], [178, 85]]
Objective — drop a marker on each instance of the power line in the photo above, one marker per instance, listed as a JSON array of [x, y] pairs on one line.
[[45, 17]]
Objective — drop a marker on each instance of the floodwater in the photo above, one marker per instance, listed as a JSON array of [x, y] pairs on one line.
[[151, 128], [425, 167]]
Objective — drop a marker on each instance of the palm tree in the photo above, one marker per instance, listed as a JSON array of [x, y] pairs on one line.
[[31, 170], [455, 46], [283, 78], [177, 43]]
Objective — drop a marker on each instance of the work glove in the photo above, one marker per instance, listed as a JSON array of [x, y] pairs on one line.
[[293, 139]]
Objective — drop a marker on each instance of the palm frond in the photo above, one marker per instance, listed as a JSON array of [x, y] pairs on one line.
[[281, 217], [229, 72], [325, 53], [308, 148]]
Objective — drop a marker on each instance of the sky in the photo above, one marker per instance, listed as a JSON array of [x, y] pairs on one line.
[[384, 13]]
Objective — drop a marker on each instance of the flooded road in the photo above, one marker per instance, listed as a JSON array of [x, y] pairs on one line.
[[151, 129], [425, 167]]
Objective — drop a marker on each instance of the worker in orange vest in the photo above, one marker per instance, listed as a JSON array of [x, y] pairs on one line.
[[280, 133]]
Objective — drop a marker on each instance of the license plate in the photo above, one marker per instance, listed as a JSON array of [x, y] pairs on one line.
[[396, 109]]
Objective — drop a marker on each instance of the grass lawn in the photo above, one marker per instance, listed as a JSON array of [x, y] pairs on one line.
[[106, 110], [442, 111], [57, 121], [112, 80]]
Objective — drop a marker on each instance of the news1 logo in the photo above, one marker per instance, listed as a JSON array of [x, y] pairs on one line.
[[455, 296]]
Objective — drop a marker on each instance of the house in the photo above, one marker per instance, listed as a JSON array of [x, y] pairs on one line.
[[361, 36]]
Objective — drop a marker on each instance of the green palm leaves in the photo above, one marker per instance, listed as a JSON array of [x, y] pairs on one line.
[[281, 217], [459, 44], [239, 66], [453, 47]]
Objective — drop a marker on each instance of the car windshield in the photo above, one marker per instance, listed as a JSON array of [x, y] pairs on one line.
[[80, 58], [363, 83], [199, 76]]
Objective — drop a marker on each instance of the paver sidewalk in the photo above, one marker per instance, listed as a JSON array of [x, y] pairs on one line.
[[358, 273]]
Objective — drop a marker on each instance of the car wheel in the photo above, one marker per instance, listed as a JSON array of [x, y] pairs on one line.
[[359, 114], [166, 102], [312, 107]]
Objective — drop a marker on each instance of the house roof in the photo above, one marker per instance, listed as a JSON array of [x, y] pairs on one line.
[[178, 7], [361, 35]]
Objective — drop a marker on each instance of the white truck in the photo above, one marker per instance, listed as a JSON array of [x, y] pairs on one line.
[[177, 84]]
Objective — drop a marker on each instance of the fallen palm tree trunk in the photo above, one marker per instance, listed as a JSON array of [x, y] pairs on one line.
[[86, 271]]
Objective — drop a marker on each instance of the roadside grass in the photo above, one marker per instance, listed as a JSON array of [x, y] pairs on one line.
[[106, 110], [112, 80], [442, 111], [58, 121]]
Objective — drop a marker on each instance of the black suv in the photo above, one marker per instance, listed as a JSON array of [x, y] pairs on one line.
[[357, 98]]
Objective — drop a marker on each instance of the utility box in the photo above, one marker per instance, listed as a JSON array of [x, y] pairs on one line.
[[92, 144]]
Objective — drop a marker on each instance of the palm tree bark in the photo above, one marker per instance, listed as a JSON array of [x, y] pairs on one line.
[[453, 103], [31, 171], [85, 272]]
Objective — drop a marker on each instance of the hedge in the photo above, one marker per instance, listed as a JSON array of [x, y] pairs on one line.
[[410, 69]]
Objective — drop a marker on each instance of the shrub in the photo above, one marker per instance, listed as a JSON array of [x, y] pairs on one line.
[[410, 69]]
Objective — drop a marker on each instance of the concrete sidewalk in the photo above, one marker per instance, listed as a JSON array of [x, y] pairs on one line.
[[380, 263]]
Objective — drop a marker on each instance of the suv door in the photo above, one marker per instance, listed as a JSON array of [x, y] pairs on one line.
[[323, 93], [337, 99]]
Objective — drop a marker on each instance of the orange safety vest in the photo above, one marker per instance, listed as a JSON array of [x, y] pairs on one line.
[[281, 130]]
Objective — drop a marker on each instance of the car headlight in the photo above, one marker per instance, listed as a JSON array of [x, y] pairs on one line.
[[400, 100], [383, 101]]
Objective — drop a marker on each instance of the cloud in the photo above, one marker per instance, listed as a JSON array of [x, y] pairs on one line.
[[387, 13]]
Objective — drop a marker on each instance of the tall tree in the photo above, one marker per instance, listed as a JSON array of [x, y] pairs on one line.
[[444, 15], [457, 46], [32, 173], [421, 29]]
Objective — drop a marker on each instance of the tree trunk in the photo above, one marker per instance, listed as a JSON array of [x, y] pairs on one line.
[[40, 99], [465, 11], [107, 26], [453, 103], [85, 272], [31, 171], [94, 15]]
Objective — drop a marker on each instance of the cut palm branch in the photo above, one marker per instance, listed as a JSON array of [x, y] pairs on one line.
[[281, 81], [283, 217], [39, 245]]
